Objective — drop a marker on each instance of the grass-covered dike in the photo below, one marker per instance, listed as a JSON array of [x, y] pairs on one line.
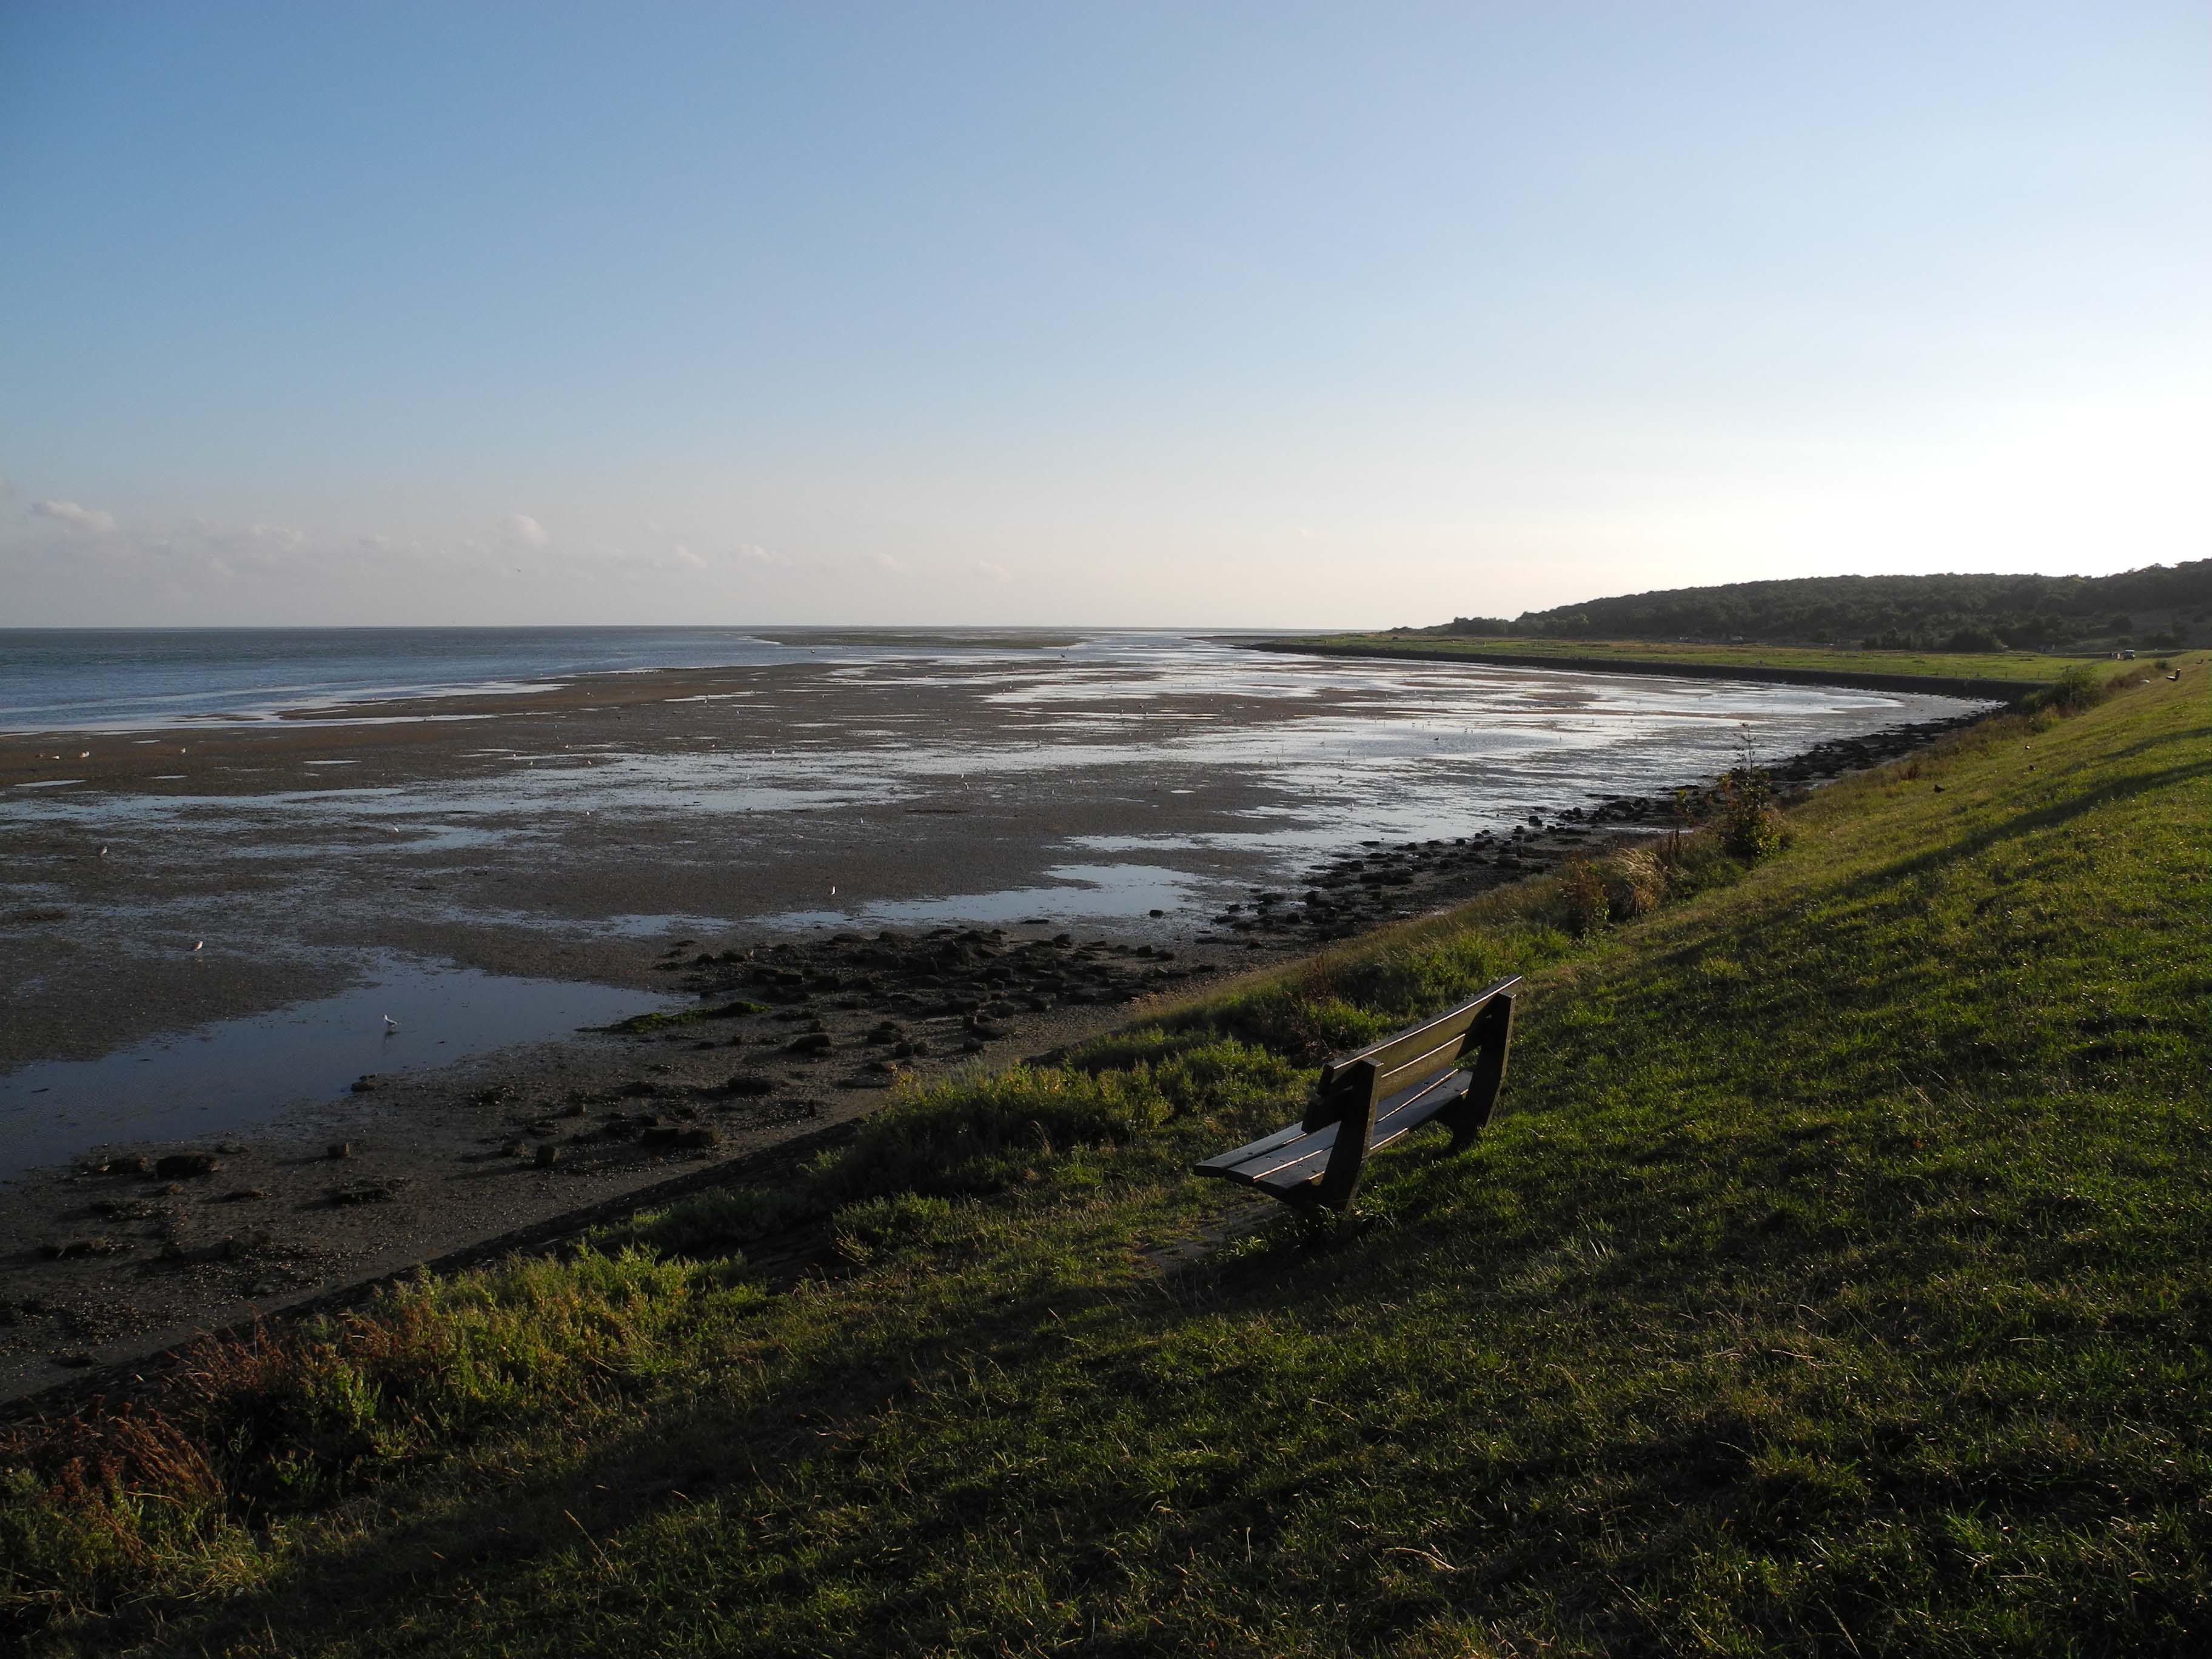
[[1834, 1280], [2001, 674]]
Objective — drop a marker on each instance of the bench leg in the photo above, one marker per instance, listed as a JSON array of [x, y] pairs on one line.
[[1347, 1159], [1467, 1118]]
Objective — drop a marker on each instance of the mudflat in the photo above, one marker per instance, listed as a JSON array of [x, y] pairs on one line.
[[809, 880]]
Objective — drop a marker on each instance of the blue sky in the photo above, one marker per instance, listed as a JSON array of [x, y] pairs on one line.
[[1270, 314]]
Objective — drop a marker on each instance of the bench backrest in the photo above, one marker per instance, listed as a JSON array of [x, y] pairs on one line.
[[1414, 1056]]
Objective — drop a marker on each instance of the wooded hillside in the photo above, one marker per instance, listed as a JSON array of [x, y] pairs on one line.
[[2160, 607]]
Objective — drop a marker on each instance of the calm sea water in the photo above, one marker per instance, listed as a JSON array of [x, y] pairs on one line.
[[116, 679]]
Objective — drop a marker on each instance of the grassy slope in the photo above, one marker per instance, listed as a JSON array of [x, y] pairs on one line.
[[1838, 1283], [2027, 665]]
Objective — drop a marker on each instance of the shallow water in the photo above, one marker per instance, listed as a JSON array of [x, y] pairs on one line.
[[236, 1075]]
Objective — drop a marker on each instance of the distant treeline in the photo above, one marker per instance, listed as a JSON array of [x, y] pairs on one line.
[[2163, 607]]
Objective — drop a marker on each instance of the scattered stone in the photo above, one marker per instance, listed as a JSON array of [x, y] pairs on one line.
[[243, 1195], [137, 1163], [547, 1156], [73, 1249], [179, 1165], [338, 1150], [370, 1192], [128, 1209], [669, 1138], [367, 1083], [750, 1082]]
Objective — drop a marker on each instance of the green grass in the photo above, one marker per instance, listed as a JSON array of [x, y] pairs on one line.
[[645, 1024], [2018, 666], [1836, 1281]]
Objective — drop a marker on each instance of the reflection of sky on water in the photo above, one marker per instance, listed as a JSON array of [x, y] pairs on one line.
[[234, 1075], [1080, 892]]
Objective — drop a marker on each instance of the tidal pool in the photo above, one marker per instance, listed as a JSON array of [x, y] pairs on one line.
[[237, 1075]]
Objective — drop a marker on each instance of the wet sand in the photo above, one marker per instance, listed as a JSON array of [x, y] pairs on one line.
[[969, 809]]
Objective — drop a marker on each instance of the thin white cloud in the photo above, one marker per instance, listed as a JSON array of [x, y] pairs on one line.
[[76, 517], [885, 562], [989, 572], [753, 554], [521, 527], [684, 556]]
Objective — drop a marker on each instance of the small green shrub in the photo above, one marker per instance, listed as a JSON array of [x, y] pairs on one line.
[[1751, 828], [713, 1224], [980, 1135], [904, 1222], [2080, 687], [1307, 1019]]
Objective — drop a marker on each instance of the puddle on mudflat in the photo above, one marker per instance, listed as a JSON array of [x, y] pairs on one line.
[[660, 925], [237, 1075]]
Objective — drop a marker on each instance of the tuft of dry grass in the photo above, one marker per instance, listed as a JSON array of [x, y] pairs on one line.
[[1584, 897], [1634, 883]]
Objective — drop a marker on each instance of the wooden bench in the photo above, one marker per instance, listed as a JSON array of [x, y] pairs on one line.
[[1450, 1067]]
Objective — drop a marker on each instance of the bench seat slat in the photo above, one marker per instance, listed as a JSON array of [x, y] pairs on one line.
[[1265, 1144], [1289, 1158], [1402, 1118]]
